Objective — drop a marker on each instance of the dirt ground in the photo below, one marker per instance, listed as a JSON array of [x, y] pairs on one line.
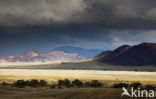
[[66, 93]]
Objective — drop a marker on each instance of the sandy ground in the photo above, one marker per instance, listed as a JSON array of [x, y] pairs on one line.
[[9, 75]]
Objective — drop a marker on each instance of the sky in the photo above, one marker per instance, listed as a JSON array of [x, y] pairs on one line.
[[100, 24]]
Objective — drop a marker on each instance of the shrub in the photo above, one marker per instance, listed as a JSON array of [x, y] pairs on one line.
[[120, 85], [60, 82], [95, 84], [87, 84], [77, 83], [27, 83], [67, 83], [34, 83], [42, 83], [19, 84], [5, 84], [136, 85]]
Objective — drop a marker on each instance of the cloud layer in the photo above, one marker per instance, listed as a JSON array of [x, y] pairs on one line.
[[124, 14], [105, 24]]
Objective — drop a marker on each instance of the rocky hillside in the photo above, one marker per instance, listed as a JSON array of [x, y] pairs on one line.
[[34, 56], [138, 55]]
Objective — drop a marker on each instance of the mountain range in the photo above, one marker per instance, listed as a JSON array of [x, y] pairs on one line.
[[137, 55], [87, 53], [34, 56]]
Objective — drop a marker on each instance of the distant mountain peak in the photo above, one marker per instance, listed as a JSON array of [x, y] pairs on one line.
[[59, 51], [31, 51], [35, 56], [87, 53]]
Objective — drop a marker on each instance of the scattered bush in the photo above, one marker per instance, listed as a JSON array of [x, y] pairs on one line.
[[32, 83], [87, 84], [60, 82], [27, 83], [77, 83], [120, 85], [96, 84], [19, 84], [67, 83], [5, 84], [42, 83], [136, 85]]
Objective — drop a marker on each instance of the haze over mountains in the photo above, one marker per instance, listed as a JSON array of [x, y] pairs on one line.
[[138, 55], [87, 53], [126, 55], [59, 54], [34, 56]]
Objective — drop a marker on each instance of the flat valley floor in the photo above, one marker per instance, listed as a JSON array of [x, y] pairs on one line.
[[66, 93], [108, 78], [10, 75]]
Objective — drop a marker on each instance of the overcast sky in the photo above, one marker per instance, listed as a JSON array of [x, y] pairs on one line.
[[45, 24]]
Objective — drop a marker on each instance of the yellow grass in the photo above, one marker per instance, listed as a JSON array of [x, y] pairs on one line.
[[54, 75], [28, 63]]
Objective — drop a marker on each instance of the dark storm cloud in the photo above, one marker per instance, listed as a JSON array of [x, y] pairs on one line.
[[124, 14], [45, 24]]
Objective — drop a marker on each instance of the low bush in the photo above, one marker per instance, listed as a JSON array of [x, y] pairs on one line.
[[43, 83], [136, 85], [31, 83], [34, 83], [60, 82], [65, 83], [87, 84], [19, 84], [120, 85], [4, 84], [96, 84], [77, 83]]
